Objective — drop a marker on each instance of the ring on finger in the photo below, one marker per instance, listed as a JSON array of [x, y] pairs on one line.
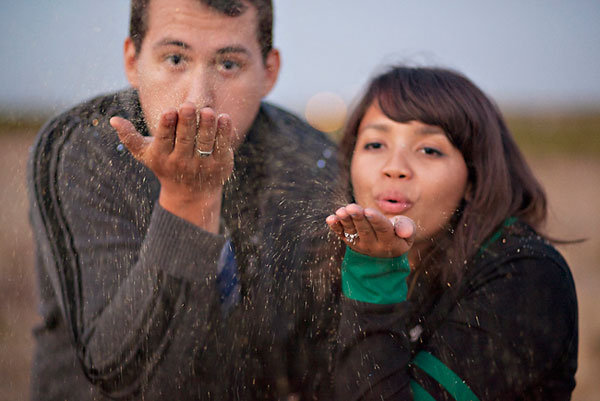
[[204, 153], [351, 237]]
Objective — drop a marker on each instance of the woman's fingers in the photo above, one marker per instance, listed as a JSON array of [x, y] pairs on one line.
[[381, 225], [349, 232], [345, 220], [361, 224], [369, 232], [334, 224], [405, 228]]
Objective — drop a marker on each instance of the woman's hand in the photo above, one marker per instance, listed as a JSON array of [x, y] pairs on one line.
[[369, 232]]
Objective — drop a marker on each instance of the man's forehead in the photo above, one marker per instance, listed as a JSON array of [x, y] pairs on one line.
[[173, 17], [193, 26], [216, 8]]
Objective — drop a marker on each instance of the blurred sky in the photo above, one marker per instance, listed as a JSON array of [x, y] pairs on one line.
[[531, 54]]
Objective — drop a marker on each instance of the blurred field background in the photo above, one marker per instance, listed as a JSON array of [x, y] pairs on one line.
[[563, 149]]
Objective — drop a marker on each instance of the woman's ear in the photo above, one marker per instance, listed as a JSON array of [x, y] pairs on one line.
[[468, 192]]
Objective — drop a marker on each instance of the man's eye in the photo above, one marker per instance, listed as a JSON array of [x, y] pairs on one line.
[[175, 59], [229, 65]]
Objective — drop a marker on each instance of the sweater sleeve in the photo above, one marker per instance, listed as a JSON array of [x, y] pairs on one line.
[[373, 351], [512, 334], [132, 280], [374, 280]]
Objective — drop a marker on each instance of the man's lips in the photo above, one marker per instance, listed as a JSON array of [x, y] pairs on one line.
[[392, 205]]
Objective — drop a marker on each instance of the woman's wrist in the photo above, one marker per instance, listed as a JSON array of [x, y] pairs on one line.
[[373, 279]]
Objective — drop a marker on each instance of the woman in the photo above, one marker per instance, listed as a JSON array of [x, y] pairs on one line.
[[449, 290]]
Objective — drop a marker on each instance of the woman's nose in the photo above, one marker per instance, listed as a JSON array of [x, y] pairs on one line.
[[397, 166]]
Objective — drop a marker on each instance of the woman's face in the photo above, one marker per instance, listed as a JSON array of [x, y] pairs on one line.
[[410, 169]]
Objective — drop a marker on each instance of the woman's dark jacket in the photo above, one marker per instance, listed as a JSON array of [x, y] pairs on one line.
[[507, 331]]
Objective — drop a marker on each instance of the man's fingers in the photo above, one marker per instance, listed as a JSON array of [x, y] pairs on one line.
[[129, 136], [207, 128], [223, 136], [165, 133], [185, 134]]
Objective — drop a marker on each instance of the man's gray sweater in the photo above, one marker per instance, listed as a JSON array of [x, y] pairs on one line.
[[128, 291]]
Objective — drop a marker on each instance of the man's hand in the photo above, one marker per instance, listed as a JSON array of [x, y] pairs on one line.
[[377, 236], [191, 155]]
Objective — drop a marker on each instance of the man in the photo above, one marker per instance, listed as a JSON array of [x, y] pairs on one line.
[[183, 265]]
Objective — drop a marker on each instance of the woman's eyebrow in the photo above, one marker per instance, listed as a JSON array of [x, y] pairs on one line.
[[423, 129], [430, 130], [377, 126]]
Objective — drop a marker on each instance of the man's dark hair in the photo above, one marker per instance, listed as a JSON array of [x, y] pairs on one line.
[[138, 22]]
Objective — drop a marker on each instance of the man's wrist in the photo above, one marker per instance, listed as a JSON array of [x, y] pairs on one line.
[[203, 210]]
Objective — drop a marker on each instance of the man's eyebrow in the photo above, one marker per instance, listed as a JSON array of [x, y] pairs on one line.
[[172, 42], [233, 49]]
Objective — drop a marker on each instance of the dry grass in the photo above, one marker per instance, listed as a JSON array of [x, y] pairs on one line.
[[569, 171], [17, 294]]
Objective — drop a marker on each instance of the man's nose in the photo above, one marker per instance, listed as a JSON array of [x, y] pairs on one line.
[[397, 165], [201, 89]]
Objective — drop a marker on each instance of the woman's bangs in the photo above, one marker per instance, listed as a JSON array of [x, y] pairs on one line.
[[402, 103]]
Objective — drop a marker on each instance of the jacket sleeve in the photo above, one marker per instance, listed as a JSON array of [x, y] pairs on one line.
[[373, 349], [136, 284], [514, 328]]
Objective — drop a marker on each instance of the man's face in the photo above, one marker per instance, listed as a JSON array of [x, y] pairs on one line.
[[194, 53]]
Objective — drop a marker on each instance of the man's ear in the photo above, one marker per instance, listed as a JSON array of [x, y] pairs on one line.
[[272, 63], [130, 59]]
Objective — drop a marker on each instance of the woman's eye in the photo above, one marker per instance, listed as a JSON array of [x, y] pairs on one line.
[[431, 151], [373, 145]]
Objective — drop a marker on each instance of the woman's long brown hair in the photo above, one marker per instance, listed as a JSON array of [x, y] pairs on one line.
[[500, 182]]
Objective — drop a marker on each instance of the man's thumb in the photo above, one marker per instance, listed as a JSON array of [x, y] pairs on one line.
[[129, 136]]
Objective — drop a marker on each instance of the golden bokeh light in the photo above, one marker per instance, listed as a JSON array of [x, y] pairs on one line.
[[326, 112]]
